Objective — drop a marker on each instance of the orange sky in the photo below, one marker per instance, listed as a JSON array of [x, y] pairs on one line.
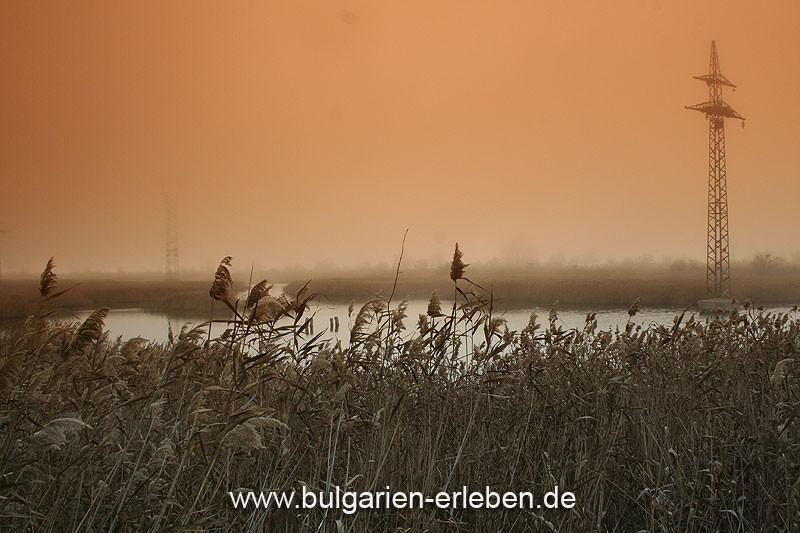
[[316, 132]]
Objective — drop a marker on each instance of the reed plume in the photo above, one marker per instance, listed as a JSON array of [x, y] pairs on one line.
[[54, 434], [48, 280], [434, 305], [267, 309], [90, 331], [457, 267], [220, 289], [258, 291], [782, 371], [47, 284], [634, 308]]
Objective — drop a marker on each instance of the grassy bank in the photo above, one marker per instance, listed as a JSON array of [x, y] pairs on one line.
[[20, 298], [571, 287], [582, 290], [690, 428]]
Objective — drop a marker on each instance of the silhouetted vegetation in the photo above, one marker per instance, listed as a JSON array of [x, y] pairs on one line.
[[187, 298], [682, 428], [585, 289]]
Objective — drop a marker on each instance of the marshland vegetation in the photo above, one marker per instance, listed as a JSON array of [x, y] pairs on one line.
[[692, 427], [18, 297], [764, 280], [770, 281]]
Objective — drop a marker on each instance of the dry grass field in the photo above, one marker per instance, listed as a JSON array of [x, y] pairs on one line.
[[693, 427]]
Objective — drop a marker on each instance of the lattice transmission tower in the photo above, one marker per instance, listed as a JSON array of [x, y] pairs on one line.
[[172, 241], [718, 269]]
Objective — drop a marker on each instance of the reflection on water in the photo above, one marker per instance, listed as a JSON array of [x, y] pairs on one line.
[[129, 323], [154, 326]]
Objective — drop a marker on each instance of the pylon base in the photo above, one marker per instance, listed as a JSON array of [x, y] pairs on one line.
[[715, 305]]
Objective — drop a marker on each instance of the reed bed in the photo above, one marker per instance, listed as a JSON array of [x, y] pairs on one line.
[[180, 298], [692, 427], [586, 289]]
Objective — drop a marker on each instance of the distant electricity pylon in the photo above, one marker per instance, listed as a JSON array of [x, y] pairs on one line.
[[718, 268], [1, 259], [172, 241]]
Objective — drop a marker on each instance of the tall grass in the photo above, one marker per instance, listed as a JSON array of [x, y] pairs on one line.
[[694, 427], [20, 298]]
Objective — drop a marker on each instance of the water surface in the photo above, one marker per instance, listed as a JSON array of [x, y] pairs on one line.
[[154, 326]]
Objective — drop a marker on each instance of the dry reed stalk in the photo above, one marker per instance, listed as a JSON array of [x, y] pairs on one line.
[[48, 279], [220, 288], [88, 333]]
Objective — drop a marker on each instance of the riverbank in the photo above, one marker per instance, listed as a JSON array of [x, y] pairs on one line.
[[576, 289], [20, 298], [587, 290]]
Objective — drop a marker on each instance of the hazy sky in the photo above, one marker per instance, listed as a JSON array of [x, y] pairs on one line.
[[316, 132]]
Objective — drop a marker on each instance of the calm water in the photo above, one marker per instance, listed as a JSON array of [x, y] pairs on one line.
[[129, 323]]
